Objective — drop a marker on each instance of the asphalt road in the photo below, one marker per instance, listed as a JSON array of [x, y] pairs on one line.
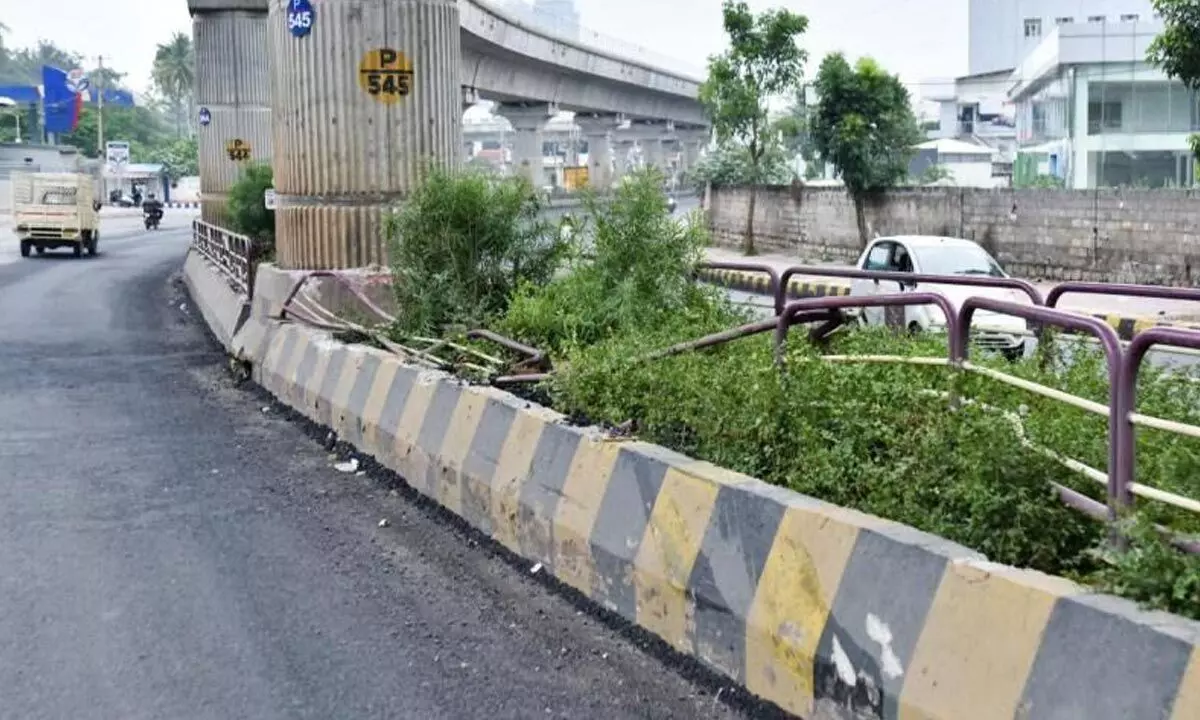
[[170, 550]]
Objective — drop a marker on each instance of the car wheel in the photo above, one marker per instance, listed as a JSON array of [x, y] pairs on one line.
[[26, 247]]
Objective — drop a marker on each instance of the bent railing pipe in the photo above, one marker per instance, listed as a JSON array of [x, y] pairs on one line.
[[1079, 323], [792, 310]]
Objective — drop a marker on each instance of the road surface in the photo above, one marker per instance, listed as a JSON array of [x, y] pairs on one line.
[[173, 551]]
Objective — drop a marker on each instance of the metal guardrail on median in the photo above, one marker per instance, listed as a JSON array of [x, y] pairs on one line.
[[230, 252], [1119, 478]]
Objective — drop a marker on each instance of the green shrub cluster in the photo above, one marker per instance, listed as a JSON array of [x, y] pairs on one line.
[[248, 213], [463, 244], [927, 446], [631, 266]]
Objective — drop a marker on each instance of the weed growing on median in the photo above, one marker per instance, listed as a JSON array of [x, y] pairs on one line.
[[461, 246], [881, 438], [631, 267]]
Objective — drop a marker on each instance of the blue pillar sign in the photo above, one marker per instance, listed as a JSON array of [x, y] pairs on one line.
[[205, 117], [300, 17]]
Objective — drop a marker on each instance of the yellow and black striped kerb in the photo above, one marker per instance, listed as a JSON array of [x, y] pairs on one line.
[[827, 612]]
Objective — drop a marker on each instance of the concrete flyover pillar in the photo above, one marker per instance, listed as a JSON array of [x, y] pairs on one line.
[[597, 129], [233, 95], [528, 121], [366, 100], [649, 134], [622, 165], [691, 141]]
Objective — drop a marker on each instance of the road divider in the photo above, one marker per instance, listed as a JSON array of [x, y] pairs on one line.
[[759, 284], [824, 611]]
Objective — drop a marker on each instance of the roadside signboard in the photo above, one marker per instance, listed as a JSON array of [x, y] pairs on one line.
[[386, 75], [205, 116], [116, 157], [269, 198], [300, 17]]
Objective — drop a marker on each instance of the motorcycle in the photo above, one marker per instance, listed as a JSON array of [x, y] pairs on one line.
[[152, 218]]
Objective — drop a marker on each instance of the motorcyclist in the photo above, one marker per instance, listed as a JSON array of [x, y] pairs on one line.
[[152, 206]]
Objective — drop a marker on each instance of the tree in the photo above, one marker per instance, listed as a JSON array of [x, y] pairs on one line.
[[864, 125], [175, 78], [730, 164], [179, 158], [763, 61], [1177, 48], [141, 127]]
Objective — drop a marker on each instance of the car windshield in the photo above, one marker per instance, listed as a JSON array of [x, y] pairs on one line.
[[957, 260]]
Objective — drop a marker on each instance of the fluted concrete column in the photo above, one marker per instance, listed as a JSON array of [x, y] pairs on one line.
[[233, 95], [364, 104], [597, 129], [528, 121]]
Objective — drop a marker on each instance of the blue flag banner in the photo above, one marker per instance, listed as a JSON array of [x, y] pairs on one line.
[[61, 102]]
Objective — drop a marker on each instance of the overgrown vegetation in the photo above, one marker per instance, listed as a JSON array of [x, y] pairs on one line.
[[247, 211], [882, 438], [461, 247]]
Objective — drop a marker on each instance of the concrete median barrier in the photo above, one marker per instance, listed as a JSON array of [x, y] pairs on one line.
[[827, 612], [224, 310]]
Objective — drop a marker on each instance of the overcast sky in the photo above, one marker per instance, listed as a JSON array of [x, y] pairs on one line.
[[919, 39]]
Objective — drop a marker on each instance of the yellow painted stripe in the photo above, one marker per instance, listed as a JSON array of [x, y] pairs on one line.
[[979, 642], [669, 547], [373, 410], [583, 492], [411, 462], [1187, 699], [339, 413], [456, 444], [792, 603], [512, 469]]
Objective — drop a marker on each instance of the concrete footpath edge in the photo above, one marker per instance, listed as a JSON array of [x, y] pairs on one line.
[[827, 612], [757, 283]]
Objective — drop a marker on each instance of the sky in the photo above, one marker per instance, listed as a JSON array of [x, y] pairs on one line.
[[919, 39]]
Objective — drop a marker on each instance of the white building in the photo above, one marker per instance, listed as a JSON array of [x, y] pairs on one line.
[[968, 164], [1062, 88], [1002, 32], [1087, 99]]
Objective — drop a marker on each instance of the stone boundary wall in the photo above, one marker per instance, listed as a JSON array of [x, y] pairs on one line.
[[1105, 235]]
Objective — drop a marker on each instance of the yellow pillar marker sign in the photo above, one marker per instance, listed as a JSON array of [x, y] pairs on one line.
[[238, 150], [386, 75]]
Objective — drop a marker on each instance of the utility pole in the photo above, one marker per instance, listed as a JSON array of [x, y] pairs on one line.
[[100, 107]]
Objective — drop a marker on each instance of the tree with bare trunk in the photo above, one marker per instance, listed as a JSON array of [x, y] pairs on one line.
[[763, 61]]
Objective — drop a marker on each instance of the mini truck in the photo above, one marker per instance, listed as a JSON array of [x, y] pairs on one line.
[[54, 210]]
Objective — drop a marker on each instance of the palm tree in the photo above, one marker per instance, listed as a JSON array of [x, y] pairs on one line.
[[174, 75]]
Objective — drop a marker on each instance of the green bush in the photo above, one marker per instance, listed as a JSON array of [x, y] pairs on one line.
[[248, 213], [461, 246], [632, 267], [858, 435]]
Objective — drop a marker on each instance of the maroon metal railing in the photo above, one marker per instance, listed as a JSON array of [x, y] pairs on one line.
[[231, 253]]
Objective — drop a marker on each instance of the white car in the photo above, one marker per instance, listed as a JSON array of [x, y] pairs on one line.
[[930, 255]]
